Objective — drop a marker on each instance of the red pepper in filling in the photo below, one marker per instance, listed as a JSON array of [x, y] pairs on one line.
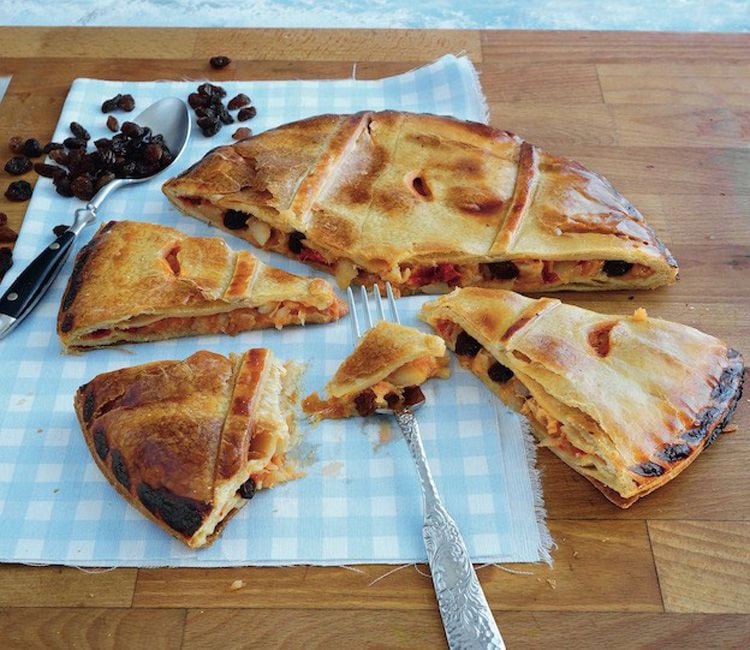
[[309, 255], [447, 273]]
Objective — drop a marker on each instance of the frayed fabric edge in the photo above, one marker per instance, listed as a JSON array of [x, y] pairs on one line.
[[546, 543]]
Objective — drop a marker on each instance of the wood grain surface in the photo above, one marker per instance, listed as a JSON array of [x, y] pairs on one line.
[[666, 117]]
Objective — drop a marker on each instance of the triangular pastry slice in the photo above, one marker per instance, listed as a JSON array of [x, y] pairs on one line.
[[385, 371], [426, 203], [627, 401], [189, 442], [144, 282]]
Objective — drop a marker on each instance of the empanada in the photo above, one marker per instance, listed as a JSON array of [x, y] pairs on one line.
[[426, 203], [627, 401], [138, 282], [189, 442]]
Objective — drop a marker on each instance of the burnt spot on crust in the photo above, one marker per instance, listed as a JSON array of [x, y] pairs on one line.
[[725, 395], [182, 514], [599, 338], [673, 453], [365, 402], [648, 469], [467, 346], [76, 277], [120, 469], [475, 201], [100, 443], [88, 402], [247, 489], [67, 323]]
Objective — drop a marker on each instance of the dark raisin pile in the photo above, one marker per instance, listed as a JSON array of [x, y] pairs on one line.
[[211, 113], [219, 62]]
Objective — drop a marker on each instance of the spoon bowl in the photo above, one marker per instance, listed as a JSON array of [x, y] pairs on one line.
[[169, 117]]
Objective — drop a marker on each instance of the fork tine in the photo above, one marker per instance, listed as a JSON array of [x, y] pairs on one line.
[[353, 312], [381, 311], [392, 302], [366, 306]]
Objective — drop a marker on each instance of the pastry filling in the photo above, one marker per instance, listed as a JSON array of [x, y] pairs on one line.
[[229, 322], [575, 439]]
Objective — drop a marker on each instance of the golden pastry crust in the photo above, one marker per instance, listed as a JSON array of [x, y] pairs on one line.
[[627, 401], [180, 440], [385, 370], [142, 282], [427, 203]]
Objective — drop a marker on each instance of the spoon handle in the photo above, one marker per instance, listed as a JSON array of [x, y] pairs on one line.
[[18, 301]]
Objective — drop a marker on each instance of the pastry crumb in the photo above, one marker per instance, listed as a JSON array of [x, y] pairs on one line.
[[730, 429], [237, 585], [552, 583], [640, 315], [576, 555]]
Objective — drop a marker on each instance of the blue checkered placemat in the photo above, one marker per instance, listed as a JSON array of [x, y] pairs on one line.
[[360, 500]]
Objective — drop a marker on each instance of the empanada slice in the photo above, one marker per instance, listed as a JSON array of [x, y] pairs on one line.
[[627, 401], [385, 371], [138, 282], [189, 442], [424, 202]]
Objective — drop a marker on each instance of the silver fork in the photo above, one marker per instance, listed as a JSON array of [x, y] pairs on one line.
[[467, 619]]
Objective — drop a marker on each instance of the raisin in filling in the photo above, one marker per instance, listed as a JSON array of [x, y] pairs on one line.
[[235, 219], [247, 489], [503, 270], [100, 443], [295, 242], [365, 402], [499, 373], [413, 395], [120, 469], [616, 268], [467, 346]]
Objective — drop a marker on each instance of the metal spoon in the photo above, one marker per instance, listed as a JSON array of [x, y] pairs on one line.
[[171, 118]]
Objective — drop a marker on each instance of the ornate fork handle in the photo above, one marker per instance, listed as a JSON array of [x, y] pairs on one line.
[[467, 617]]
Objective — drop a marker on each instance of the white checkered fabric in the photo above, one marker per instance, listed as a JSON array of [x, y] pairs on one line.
[[359, 501]]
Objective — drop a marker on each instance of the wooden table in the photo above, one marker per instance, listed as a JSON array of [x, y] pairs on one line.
[[666, 117]]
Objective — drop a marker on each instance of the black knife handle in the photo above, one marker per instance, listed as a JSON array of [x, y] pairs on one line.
[[26, 290]]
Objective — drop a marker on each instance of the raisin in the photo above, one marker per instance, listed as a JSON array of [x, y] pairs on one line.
[[79, 132], [82, 188], [100, 443], [32, 148], [295, 242], [131, 129], [48, 171], [235, 220], [247, 113], [499, 373], [7, 234], [18, 191], [59, 229], [219, 61], [15, 144], [120, 469], [413, 395], [648, 469], [238, 101], [503, 270], [62, 185], [74, 143], [209, 127], [242, 133], [365, 402], [183, 514], [616, 268], [103, 180], [224, 116], [196, 100], [59, 156], [467, 346], [210, 90], [152, 152], [205, 112], [110, 105], [6, 260], [126, 103], [52, 146], [18, 165], [392, 399], [112, 124], [247, 489]]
